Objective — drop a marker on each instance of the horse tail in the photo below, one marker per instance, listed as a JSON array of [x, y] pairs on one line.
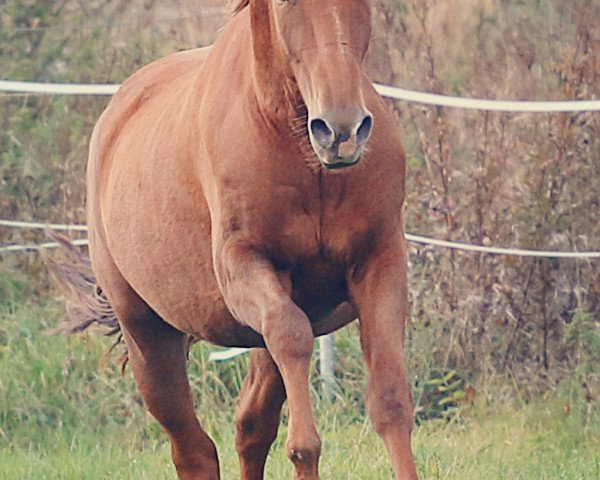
[[87, 305]]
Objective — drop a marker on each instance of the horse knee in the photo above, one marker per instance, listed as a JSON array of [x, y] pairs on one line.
[[390, 409], [288, 334]]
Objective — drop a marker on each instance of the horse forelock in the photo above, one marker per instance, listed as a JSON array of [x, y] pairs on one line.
[[239, 5]]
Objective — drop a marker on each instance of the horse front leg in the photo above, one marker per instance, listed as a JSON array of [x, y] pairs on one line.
[[259, 296], [378, 288]]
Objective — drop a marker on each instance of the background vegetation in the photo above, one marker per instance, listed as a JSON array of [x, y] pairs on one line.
[[486, 332]]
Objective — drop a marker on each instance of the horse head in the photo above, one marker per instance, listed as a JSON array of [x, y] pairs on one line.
[[323, 44]]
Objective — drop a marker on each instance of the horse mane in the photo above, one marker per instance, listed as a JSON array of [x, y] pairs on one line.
[[239, 5]]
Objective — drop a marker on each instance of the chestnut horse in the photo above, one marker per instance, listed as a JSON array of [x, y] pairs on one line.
[[250, 194]]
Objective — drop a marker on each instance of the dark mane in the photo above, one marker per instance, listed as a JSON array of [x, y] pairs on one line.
[[239, 5]]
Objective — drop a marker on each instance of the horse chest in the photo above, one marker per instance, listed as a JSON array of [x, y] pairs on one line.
[[301, 226]]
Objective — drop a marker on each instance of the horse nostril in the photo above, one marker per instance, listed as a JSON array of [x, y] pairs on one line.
[[364, 130], [321, 132]]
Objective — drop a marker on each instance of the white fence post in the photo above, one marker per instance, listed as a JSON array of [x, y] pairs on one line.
[[327, 359]]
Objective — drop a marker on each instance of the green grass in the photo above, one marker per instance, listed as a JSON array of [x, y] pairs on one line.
[[537, 441], [66, 414]]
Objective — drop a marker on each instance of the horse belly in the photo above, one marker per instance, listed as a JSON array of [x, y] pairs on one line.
[[161, 244], [171, 269]]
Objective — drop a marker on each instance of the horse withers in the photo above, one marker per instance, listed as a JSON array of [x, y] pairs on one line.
[[250, 194]]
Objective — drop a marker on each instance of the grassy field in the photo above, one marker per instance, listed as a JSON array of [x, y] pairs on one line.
[[67, 413]]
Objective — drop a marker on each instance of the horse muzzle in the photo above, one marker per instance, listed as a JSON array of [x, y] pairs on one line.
[[339, 141]]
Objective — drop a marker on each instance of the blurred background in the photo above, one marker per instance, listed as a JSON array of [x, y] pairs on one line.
[[483, 328]]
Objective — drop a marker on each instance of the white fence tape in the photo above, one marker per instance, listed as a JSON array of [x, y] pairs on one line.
[[466, 247], [227, 354], [326, 350], [57, 88], [515, 252], [37, 247], [432, 99], [512, 106], [42, 226]]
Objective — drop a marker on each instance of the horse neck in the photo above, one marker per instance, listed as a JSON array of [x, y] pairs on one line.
[[276, 88]]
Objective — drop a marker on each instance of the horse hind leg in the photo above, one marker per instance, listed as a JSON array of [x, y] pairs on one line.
[[158, 356], [258, 415]]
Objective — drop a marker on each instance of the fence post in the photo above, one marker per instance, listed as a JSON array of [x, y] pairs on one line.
[[327, 359]]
